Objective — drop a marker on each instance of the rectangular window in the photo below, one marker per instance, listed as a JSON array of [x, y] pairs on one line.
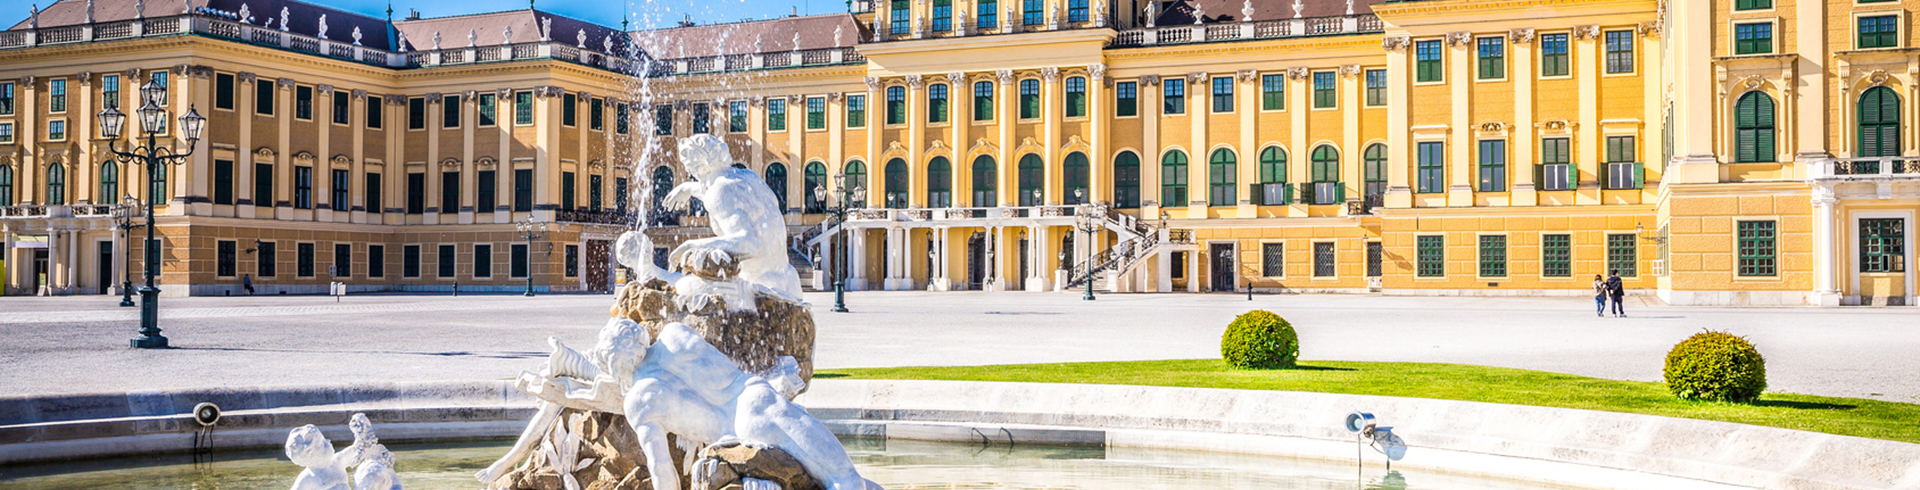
[[1431, 254], [223, 91], [702, 119], [1126, 96], [523, 108], [777, 114], [1752, 4], [6, 98], [1432, 167], [1756, 248], [265, 265], [1373, 259], [597, 114], [376, 112], [1755, 38], [1323, 259], [1273, 259], [410, 261], [484, 186], [1556, 255], [987, 13], [1493, 256], [416, 113], [227, 262], [566, 190], [372, 194], [486, 104], [482, 260], [1376, 87], [1273, 92], [303, 260], [342, 260], [1619, 51], [737, 116], [445, 261], [303, 103], [1883, 245], [1324, 95], [663, 119], [1030, 11], [942, 15], [573, 260], [523, 190], [594, 193], [222, 182], [263, 184], [1077, 97], [110, 91], [1880, 31], [449, 192], [57, 96], [1427, 61], [569, 109], [620, 118], [1493, 166], [339, 200], [857, 111], [1029, 99], [302, 187], [1553, 55], [517, 260], [817, 112], [1493, 58], [620, 195], [376, 261], [900, 12], [342, 107], [159, 79], [1173, 92], [6, 136], [1621, 254], [416, 193], [1623, 172], [57, 130], [450, 111], [1556, 168], [1222, 94]]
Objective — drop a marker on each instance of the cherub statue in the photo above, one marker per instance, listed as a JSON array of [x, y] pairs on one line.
[[749, 233], [327, 470]]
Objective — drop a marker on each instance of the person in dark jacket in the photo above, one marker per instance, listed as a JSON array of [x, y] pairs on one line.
[[1619, 293]]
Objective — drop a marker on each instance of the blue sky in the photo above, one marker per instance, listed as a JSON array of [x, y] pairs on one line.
[[604, 12]]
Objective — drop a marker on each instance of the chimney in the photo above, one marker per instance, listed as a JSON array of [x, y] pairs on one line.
[[413, 14]]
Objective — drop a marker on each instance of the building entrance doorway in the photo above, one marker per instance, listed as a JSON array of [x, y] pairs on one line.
[[976, 261], [38, 279], [1222, 271], [104, 268]]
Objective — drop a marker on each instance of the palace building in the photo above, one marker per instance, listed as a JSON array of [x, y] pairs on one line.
[[1722, 152]]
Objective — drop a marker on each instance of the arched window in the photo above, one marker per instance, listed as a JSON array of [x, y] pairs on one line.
[[1273, 177], [662, 184], [897, 183], [157, 186], [856, 173], [1073, 186], [1126, 180], [939, 183], [1221, 169], [1173, 179], [6, 185], [1375, 160], [985, 180], [109, 183], [776, 176], [1753, 128], [1076, 96], [1031, 177], [1326, 176], [1879, 123], [56, 184], [816, 178]]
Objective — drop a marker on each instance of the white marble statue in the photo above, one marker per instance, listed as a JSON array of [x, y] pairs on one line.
[[323, 26], [327, 470], [284, 13], [747, 226]]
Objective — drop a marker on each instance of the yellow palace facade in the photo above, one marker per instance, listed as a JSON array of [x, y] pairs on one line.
[[1725, 152]]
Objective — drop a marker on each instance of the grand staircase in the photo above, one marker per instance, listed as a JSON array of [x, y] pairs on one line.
[[1137, 241]]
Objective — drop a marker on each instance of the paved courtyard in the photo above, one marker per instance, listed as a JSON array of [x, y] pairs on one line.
[[79, 344]]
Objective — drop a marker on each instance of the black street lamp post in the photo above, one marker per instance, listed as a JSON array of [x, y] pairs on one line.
[[820, 195], [125, 214], [1087, 220], [530, 230], [152, 154]]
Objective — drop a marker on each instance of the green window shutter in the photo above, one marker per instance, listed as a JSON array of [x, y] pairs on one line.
[[1540, 175], [1286, 195], [1639, 175], [1573, 176], [1340, 192], [1306, 192]]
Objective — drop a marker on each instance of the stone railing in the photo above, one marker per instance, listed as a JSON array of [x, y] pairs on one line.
[[43, 211], [1868, 168], [1263, 29], [606, 217], [521, 52], [959, 213], [755, 61]]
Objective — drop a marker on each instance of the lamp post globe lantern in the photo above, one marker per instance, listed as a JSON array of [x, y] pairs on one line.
[[112, 122], [128, 211], [153, 119], [530, 230], [152, 92], [840, 251], [150, 154], [191, 124]]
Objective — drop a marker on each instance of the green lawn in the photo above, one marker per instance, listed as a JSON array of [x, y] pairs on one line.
[[1844, 416]]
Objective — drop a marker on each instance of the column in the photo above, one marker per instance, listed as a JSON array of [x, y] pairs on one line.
[[1007, 117], [244, 200], [898, 278], [1461, 142], [1299, 157], [357, 173], [283, 161], [81, 129], [1587, 140], [916, 142], [857, 259], [1825, 248], [1198, 94], [1099, 163], [1810, 36], [503, 161], [323, 165], [432, 136], [1149, 110], [1351, 151], [1247, 105], [876, 126], [960, 117], [546, 115], [1399, 117], [469, 179], [1051, 112], [1520, 138]]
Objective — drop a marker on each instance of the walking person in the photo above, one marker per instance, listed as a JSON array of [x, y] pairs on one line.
[[1619, 293], [1599, 296], [246, 281]]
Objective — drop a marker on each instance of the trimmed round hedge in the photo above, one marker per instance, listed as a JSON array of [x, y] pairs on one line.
[[1716, 366], [1260, 339]]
